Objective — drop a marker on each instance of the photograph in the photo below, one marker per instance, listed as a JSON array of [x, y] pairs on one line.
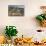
[[15, 10]]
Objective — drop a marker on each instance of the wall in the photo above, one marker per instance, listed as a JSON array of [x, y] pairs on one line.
[[26, 24]]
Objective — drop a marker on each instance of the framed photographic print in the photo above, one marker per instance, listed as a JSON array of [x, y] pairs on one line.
[[15, 10]]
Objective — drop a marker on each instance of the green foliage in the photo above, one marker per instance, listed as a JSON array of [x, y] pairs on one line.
[[41, 17], [11, 31]]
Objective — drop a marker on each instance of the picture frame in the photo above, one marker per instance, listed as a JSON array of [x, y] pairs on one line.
[[15, 10]]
